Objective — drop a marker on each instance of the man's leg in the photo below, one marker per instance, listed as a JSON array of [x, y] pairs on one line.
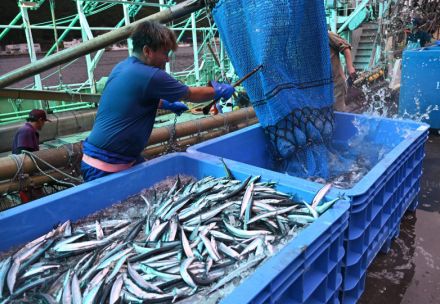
[[340, 91]]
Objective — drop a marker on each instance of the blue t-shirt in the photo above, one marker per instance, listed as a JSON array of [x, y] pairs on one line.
[[128, 106]]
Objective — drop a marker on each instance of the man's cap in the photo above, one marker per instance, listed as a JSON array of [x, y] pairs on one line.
[[37, 114]]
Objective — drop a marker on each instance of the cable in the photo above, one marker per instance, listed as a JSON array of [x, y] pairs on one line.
[[33, 157], [48, 175]]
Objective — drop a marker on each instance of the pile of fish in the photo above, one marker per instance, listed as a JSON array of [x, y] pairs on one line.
[[194, 237]]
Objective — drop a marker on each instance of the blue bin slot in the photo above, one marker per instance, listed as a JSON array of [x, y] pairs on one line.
[[300, 271], [373, 199]]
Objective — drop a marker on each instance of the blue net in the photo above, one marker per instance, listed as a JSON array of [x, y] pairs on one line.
[[293, 93]]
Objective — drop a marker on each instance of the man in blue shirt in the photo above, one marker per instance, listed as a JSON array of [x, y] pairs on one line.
[[135, 89]]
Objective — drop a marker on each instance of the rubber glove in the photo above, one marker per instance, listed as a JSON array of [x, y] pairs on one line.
[[222, 90], [177, 107]]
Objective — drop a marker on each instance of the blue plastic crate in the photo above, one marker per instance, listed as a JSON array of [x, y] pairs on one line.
[[305, 270], [420, 83], [377, 202]]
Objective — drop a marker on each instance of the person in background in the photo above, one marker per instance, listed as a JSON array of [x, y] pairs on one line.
[[340, 46], [135, 89], [416, 36], [27, 137]]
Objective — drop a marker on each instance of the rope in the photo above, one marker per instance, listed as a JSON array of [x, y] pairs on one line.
[[172, 142], [69, 149], [31, 155], [19, 163], [34, 157]]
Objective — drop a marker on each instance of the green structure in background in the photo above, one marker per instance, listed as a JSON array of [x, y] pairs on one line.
[[198, 30]]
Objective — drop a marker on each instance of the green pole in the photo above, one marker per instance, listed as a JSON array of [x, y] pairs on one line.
[[6, 30], [63, 35]]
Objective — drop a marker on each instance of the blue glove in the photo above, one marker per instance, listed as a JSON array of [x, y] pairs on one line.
[[176, 107], [222, 90]]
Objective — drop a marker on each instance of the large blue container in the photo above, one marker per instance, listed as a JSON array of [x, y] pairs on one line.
[[420, 83], [377, 201], [306, 270]]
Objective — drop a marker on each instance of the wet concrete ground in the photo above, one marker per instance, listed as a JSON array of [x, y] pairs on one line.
[[410, 271]]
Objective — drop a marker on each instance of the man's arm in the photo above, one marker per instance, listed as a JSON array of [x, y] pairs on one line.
[[199, 94], [342, 46], [166, 87], [349, 62], [215, 90]]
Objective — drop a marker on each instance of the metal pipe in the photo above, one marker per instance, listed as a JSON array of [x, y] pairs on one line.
[[160, 149], [56, 157], [60, 157], [62, 124], [149, 153], [35, 181], [97, 43], [196, 126]]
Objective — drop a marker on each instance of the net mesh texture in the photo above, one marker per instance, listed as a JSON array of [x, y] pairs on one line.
[[293, 92]]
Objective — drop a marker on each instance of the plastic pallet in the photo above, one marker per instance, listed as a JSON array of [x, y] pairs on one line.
[[306, 270], [377, 202]]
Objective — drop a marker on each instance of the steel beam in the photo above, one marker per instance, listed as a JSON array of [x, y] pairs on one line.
[[48, 95], [32, 54]]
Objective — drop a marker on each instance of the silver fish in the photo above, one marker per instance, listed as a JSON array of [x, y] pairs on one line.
[[76, 291], [12, 275], [115, 293], [320, 195], [137, 278], [4, 267]]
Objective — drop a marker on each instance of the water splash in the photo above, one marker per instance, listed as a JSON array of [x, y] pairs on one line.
[[380, 102], [350, 161]]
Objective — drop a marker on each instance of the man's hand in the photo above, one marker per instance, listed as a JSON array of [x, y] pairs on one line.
[[351, 70], [222, 90], [177, 107], [351, 77]]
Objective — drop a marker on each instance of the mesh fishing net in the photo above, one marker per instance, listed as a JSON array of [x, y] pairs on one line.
[[293, 93]]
